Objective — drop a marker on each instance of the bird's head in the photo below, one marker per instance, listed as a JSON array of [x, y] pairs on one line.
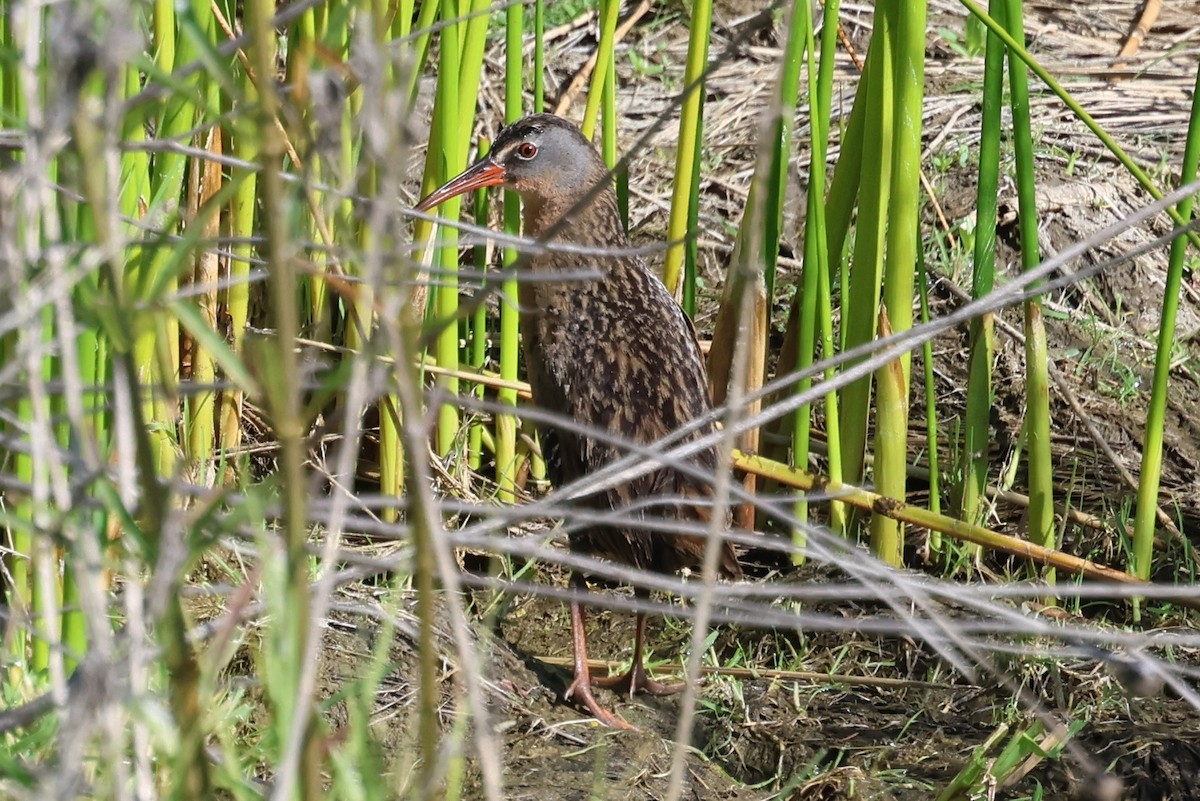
[[543, 158]]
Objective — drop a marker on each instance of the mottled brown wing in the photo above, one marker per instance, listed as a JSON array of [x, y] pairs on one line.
[[642, 380], [561, 446]]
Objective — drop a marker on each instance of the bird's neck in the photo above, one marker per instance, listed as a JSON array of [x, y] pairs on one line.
[[595, 223]]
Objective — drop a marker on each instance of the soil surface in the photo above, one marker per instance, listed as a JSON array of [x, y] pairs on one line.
[[757, 738]]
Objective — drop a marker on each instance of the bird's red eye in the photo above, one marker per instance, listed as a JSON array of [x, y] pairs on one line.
[[527, 150]]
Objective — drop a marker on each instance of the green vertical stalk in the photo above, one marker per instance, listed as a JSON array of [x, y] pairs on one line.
[[142, 269], [474, 44], [10, 92], [931, 415], [445, 102], [700, 33], [44, 603], [74, 624], [838, 520], [345, 223], [981, 339], [446, 280], [816, 261], [92, 349], [1017, 49], [68, 617], [860, 306], [133, 198], [302, 45], [281, 378], [360, 323], [478, 338], [465, 67], [391, 444], [402, 19], [391, 456], [824, 249], [20, 592], [781, 141], [609, 142], [420, 45], [609, 13], [891, 421], [506, 424], [692, 247], [201, 417], [539, 56], [1151, 473], [845, 186], [360, 314], [391, 447], [241, 228], [1037, 367], [156, 351]]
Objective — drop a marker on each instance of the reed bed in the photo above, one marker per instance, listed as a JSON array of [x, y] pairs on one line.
[[270, 468]]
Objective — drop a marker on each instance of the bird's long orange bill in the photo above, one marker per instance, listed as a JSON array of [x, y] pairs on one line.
[[480, 174]]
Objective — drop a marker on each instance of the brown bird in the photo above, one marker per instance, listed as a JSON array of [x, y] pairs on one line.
[[613, 354]]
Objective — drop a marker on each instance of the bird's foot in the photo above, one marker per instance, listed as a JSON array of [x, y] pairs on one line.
[[581, 692], [636, 680]]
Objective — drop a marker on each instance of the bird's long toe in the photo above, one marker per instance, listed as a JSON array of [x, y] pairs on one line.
[[637, 680], [581, 693]]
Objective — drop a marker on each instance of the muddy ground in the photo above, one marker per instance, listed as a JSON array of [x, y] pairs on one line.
[[907, 737], [768, 737]]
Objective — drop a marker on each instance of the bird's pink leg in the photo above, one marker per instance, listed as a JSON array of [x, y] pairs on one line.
[[581, 687], [636, 679]]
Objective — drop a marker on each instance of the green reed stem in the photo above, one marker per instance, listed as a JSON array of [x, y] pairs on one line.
[[844, 189], [1051, 83], [609, 14], [245, 147], [507, 424], [282, 384], [825, 251], [931, 414], [448, 113], [465, 67], [907, 26], [539, 56], [816, 259], [18, 590], [692, 249], [859, 306], [200, 407], [302, 49], [478, 339], [1037, 368], [420, 46], [690, 117], [1151, 473], [981, 337], [781, 141], [609, 144]]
